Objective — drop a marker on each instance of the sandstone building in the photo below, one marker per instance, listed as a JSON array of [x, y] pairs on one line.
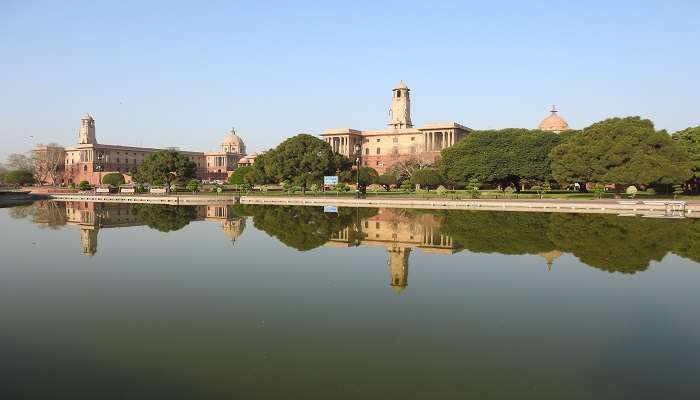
[[400, 141], [90, 160]]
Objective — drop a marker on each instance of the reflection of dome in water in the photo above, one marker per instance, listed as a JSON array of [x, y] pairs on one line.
[[553, 122], [550, 256], [233, 228]]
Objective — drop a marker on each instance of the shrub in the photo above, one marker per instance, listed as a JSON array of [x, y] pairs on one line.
[[193, 185], [113, 179], [441, 190], [631, 191], [84, 185], [650, 191], [407, 186], [677, 190]]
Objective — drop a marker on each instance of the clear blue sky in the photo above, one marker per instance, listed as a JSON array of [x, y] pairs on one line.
[[181, 74]]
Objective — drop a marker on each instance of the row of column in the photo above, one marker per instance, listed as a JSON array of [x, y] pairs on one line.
[[342, 145], [435, 141]]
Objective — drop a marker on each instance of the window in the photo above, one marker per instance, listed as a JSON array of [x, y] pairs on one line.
[[379, 150], [85, 168], [398, 93], [377, 163], [117, 159], [413, 149], [396, 140], [395, 150], [376, 225], [413, 138], [367, 151]]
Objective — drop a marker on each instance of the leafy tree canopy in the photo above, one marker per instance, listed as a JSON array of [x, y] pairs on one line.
[[18, 177], [238, 177], [367, 176], [427, 178], [386, 180], [690, 139], [301, 160], [506, 157], [165, 166], [621, 150]]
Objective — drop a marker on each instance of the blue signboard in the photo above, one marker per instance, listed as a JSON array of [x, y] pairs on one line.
[[330, 180], [330, 209]]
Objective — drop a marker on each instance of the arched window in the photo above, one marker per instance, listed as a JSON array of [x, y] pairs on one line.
[[85, 168], [398, 93]]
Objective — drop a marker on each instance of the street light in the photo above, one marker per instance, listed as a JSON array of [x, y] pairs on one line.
[[99, 166], [357, 164]]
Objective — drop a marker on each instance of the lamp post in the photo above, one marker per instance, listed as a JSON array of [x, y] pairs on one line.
[[99, 167], [357, 165]]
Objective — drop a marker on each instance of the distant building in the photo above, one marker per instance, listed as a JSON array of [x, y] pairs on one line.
[[553, 122], [90, 160], [380, 149]]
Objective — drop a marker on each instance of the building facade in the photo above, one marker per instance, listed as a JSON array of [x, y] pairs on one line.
[[400, 141], [90, 160]]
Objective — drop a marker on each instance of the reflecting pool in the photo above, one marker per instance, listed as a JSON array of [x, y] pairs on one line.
[[106, 300]]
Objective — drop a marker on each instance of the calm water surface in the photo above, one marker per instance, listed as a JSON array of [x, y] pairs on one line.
[[145, 301]]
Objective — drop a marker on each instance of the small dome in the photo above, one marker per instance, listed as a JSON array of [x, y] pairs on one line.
[[401, 85], [553, 122], [88, 116]]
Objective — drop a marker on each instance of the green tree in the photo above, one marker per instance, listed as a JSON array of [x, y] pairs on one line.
[[386, 180], [113, 179], [302, 160], [407, 186], [19, 177], [165, 166], [504, 157], [621, 150], [367, 176], [239, 175], [427, 178], [192, 185], [690, 140]]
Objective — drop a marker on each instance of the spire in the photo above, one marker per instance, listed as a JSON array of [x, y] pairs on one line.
[[554, 109]]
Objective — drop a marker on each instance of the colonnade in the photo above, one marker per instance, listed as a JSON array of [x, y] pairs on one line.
[[436, 141]]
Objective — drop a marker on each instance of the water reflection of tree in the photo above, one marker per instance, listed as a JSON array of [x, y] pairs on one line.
[[165, 217], [612, 243], [498, 232], [300, 227], [607, 242], [46, 214]]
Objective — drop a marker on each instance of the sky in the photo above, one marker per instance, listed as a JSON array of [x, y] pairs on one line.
[[181, 74]]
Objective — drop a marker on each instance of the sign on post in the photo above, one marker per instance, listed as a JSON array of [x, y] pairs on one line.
[[330, 209], [330, 180]]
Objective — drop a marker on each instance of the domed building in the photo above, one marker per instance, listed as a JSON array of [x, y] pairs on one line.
[[222, 163], [553, 122]]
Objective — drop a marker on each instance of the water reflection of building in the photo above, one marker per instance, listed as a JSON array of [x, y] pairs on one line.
[[398, 231], [91, 217], [550, 256], [232, 227]]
